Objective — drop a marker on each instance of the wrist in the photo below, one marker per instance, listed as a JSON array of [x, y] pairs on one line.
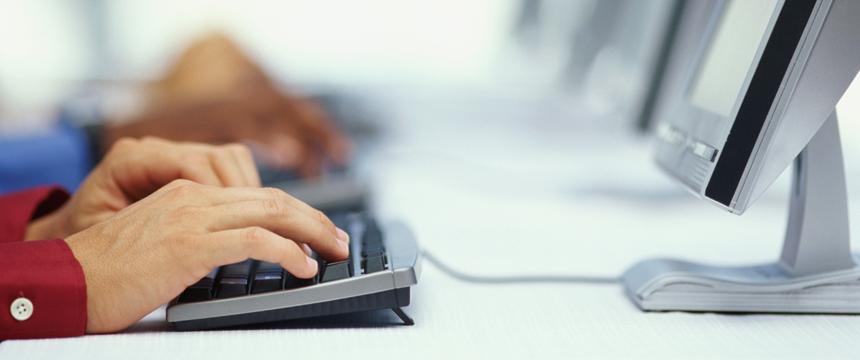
[[51, 226]]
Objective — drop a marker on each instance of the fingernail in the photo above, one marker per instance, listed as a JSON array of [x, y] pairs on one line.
[[312, 264], [342, 235]]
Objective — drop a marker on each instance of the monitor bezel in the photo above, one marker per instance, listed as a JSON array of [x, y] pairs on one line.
[[760, 96]]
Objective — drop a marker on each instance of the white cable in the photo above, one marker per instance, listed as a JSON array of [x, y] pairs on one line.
[[519, 279]]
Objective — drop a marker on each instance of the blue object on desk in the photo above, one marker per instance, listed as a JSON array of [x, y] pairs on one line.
[[59, 156]]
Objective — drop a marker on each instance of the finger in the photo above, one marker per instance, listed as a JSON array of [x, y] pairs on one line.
[[311, 166], [168, 161], [339, 148], [244, 194], [149, 164], [316, 231], [311, 117], [225, 165], [200, 195], [308, 131], [190, 166], [335, 144], [245, 161], [221, 162], [231, 246], [285, 149]]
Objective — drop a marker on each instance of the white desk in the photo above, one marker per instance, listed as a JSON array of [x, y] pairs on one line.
[[497, 199]]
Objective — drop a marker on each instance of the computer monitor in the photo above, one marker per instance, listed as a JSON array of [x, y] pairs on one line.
[[683, 38], [762, 95], [660, 72], [615, 56]]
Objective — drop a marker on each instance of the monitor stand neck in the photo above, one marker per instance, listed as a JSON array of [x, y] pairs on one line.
[[816, 272], [817, 237]]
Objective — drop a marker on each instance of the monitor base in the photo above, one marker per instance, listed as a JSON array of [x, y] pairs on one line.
[[816, 272], [674, 285]]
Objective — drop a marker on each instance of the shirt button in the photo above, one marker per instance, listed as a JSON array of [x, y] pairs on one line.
[[21, 309]]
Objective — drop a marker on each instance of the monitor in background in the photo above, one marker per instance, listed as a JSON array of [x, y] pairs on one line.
[[615, 56], [761, 95], [659, 77], [683, 39]]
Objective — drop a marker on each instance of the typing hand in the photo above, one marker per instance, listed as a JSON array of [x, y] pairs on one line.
[[149, 252], [134, 169], [289, 132]]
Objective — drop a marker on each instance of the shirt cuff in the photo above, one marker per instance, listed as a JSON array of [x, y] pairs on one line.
[[20, 208], [49, 281]]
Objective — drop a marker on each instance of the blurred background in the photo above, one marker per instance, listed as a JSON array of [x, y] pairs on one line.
[[530, 52], [535, 114], [515, 86]]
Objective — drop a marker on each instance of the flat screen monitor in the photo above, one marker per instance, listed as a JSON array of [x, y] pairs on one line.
[[759, 96], [717, 138]]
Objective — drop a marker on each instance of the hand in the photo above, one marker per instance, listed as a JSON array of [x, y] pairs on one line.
[[149, 252], [291, 132], [135, 168]]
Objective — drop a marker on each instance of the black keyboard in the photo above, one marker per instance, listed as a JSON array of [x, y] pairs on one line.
[[381, 268]]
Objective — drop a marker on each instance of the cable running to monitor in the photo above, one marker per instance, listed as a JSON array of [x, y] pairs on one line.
[[518, 279]]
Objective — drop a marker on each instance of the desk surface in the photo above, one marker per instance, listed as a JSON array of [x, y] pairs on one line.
[[515, 200]]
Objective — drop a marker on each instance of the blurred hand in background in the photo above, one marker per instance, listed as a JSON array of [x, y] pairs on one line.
[[216, 94]]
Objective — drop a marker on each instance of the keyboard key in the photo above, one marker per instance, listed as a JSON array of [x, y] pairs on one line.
[[268, 277], [234, 279], [292, 282], [336, 271], [232, 288], [237, 270], [371, 242], [201, 290], [374, 263]]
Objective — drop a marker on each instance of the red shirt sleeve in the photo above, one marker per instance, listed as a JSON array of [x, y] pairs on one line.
[[18, 209], [44, 273]]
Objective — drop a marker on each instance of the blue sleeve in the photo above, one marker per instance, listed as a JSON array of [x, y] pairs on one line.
[[60, 156]]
